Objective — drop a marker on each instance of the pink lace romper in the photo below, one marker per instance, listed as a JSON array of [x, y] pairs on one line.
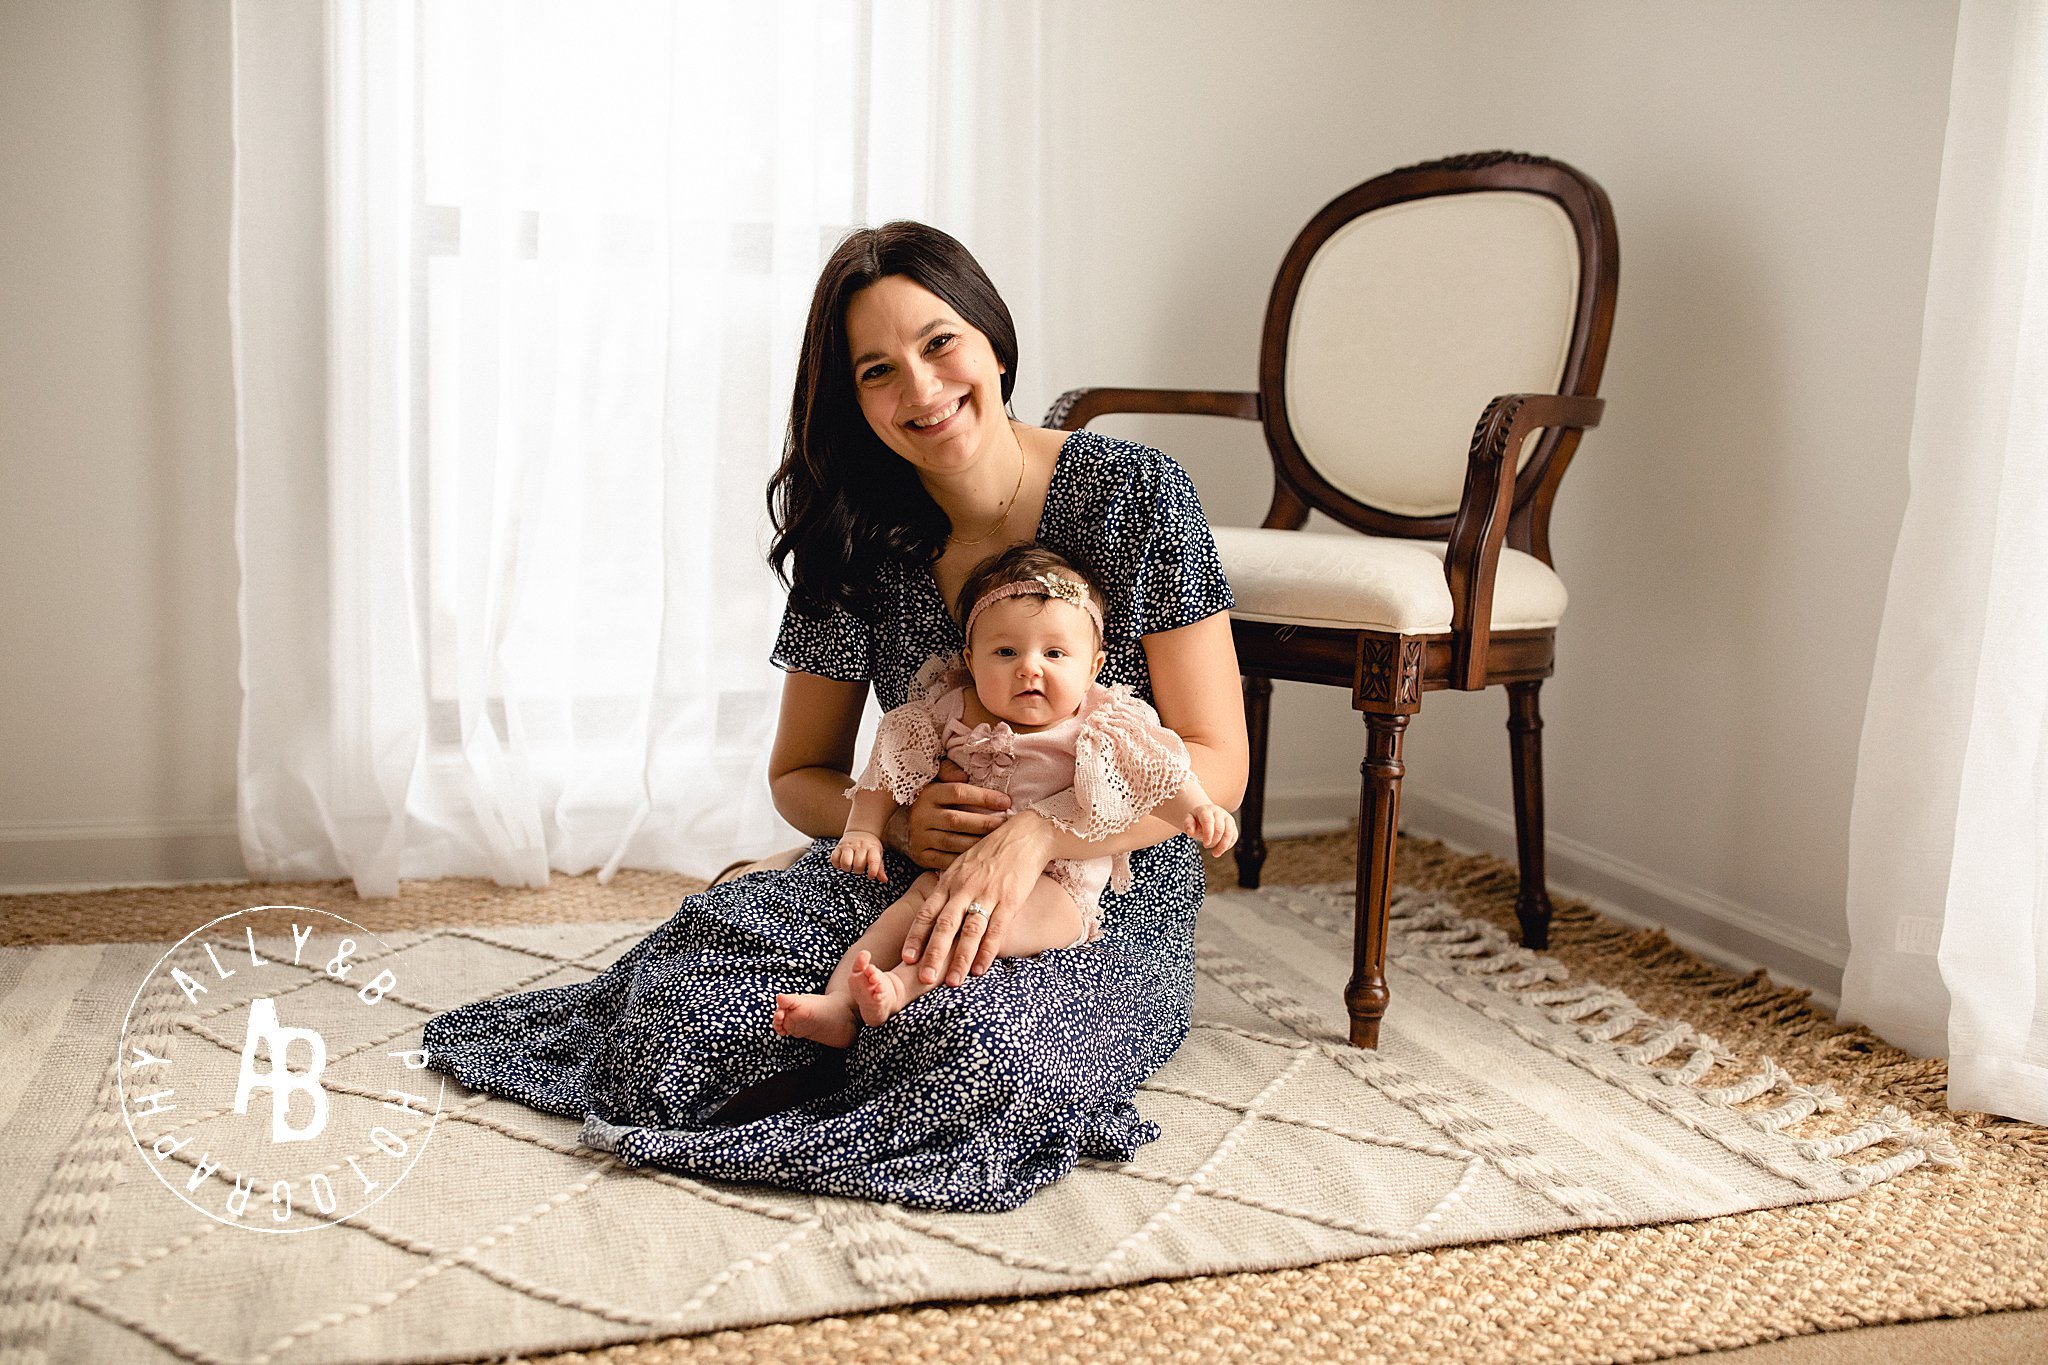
[[1099, 771]]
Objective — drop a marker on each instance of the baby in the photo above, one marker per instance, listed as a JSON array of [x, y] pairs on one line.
[[1036, 725]]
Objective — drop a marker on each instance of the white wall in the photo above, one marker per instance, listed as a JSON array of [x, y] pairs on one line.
[[118, 694], [1726, 532]]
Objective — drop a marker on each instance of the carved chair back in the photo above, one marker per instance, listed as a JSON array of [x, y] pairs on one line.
[[1403, 308]]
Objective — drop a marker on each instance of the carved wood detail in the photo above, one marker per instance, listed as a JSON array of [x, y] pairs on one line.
[[1062, 408], [1414, 651], [1490, 436], [1376, 669], [1391, 673], [1478, 161]]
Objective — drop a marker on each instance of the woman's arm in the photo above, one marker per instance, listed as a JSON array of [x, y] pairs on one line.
[[811, 764], [1196, 692]]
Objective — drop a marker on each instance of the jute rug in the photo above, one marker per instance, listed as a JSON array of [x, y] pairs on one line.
[[1952, 1241]]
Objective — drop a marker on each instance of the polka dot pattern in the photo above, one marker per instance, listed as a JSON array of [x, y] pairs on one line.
[[971, 1097]]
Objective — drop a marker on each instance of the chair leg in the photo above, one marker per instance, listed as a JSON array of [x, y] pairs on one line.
[[1251, 816], [1525, 738], [1379, 812]]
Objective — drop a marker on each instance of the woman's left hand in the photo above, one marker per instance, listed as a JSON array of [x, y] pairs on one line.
[[999, 873]]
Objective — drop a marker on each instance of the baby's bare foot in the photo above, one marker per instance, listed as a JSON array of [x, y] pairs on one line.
[[820, 1018], [876, 994]]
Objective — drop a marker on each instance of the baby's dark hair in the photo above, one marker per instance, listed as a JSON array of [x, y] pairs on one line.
[[1020, 564]]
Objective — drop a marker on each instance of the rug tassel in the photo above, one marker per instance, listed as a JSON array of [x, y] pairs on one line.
[[1484, 951], [1891, 1125], [1707, 1054], [1746, 1089]]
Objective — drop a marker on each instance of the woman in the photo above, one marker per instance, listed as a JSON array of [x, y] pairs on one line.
[[902, 470]]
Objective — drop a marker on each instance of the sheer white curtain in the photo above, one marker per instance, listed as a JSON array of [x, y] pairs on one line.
[[516, 294], [1948, 853]]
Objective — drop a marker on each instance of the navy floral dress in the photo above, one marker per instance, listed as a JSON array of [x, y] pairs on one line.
[[972, 1097]]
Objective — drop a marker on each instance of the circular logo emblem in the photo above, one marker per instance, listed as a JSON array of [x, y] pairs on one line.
[[269, 1072]]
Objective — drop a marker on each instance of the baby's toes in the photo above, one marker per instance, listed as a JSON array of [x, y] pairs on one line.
[[870, 995]]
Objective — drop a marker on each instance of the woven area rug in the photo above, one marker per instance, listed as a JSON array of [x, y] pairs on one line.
[[1508, 1099]]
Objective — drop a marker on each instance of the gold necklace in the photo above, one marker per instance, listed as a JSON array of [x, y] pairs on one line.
[[955, 540]]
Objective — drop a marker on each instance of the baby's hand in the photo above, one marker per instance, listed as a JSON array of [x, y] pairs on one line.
[[860, 852], [1214, 828]]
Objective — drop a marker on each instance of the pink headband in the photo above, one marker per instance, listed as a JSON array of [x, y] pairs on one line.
[[1044, 585]]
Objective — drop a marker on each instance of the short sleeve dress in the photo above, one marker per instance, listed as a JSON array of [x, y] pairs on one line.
[[971, 1097]]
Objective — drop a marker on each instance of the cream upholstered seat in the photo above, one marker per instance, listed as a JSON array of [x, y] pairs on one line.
[[1372, 582], [1432, 351]]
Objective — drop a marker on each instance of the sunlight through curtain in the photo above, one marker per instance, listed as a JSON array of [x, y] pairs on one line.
[[1948, 850], [516, 292]]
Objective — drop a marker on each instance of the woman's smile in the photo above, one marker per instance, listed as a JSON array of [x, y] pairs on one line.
[[939, 420]]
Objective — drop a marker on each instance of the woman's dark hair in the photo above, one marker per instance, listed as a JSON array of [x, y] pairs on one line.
[[843, 503], [1017, 564]]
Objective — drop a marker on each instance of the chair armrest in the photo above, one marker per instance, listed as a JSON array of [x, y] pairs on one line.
[[1481, 524], [1076, 408]]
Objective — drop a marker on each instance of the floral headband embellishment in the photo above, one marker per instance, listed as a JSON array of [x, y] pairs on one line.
[[1050, 585], [1066, 589]]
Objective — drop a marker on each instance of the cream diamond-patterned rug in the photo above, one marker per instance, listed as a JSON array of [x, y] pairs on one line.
[[1506, 1100]]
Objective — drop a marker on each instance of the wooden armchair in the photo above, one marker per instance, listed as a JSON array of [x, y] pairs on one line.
[[1476, 287]]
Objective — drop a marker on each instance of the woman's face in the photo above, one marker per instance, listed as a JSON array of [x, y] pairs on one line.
[[929, 384]]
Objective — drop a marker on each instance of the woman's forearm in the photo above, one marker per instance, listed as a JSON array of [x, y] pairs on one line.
[[814, 800]]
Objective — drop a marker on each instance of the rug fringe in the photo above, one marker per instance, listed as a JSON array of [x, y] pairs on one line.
[[1914, 1082], [1769, 1098]]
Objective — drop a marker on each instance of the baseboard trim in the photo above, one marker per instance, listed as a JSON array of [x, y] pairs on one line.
[[1715, 928], [1292, 812], [97, 855]]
